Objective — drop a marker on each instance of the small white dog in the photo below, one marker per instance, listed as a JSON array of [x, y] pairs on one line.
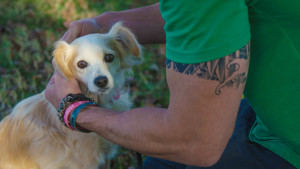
[[32, 137]]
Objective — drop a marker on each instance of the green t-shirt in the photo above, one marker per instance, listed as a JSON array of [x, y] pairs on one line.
[[199, 31]]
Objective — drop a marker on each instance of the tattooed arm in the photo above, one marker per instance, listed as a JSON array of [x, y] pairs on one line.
[[226, 71], [204, 102]]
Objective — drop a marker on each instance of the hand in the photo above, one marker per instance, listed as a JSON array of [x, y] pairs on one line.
[[148, 30], [80, 28], [59, 87]]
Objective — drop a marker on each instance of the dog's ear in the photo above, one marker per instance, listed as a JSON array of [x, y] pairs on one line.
[[128, 43], [63, 56]]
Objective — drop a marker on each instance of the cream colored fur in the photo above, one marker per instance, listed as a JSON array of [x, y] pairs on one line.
[[32, 137]]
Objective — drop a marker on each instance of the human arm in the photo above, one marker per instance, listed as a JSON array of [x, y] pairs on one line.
[[144, 22], [193, 130]]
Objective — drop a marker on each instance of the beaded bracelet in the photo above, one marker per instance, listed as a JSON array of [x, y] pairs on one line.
[[75, 114], [64, 115], [69, 110], [68, 100]]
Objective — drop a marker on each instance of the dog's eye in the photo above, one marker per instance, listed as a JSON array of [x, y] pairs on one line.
[[82, 64], [109, 58]]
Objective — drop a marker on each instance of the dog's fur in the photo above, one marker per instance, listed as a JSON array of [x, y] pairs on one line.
[[32, 137]]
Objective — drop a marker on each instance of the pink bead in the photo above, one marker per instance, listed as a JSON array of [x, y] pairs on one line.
[[69, 110]]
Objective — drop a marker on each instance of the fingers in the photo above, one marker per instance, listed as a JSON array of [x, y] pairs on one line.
[[59, 87], [73, 31], [65, 37], [80, 28], [65, 86], [52, 80]]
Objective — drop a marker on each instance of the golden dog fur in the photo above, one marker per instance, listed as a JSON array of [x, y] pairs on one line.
[[32, 137]]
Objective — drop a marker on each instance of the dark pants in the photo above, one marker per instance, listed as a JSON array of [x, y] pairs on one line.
[[240, 152]]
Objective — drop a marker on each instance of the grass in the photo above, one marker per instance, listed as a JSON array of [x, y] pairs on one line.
[[28, 29]]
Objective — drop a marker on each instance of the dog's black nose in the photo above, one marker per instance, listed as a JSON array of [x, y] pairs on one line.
[[101, 81]]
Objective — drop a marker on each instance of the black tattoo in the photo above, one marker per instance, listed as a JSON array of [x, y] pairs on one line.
[[224, 70]]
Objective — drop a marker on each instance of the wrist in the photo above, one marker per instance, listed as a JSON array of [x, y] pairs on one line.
[[86, 116], [97, 119], [69, 109]]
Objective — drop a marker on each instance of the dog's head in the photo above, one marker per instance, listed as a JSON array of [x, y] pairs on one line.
[[99, 60]]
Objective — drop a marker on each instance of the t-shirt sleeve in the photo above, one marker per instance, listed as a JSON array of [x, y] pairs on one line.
[[203, 30]]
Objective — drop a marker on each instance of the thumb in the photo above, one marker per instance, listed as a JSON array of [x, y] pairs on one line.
[[73, 32], [65, 86]]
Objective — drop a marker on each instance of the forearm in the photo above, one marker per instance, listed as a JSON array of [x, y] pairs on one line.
[[151, 131], [143, 129], [145, 22]]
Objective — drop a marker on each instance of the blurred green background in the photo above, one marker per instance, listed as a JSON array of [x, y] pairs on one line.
[[28, 30]]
